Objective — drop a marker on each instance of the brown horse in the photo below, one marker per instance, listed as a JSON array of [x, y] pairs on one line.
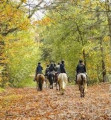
[[40, 80], [82, 83]]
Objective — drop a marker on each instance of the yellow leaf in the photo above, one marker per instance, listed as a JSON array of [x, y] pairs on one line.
[[106, 38], [24, 1]]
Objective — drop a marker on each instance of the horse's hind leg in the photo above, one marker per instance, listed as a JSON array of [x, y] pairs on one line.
[[40, 85], [62, 92], [56, 85], [85, 86], [81, 95], [52, 84], [37, 86], [59, 86], [82, 92], [49, 83], [79, 88]]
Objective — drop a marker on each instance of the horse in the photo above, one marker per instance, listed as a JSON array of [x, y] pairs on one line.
[[82, 83], [56, 80], [40, 80], [51, 79], [62, 81], [46, 82]]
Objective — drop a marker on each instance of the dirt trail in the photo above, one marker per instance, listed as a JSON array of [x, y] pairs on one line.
[[28, 104]]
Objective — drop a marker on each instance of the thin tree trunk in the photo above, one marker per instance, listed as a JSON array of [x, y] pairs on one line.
[[84, 57], [108, 13], [103, 61], [82, 41], [102, 50], [3, 65]]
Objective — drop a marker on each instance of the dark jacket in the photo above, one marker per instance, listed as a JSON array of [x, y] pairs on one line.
[[58, 69], [62, 68], [47, 71], [51, 68], [80, 68], [39, 69]]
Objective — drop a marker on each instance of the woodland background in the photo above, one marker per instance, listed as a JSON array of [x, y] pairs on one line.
[[69, 30]]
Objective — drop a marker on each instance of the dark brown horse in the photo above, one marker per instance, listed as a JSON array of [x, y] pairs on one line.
[[51, 79], [40, 80]]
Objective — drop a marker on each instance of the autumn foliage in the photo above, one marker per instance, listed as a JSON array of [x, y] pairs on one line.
[[27, 103]]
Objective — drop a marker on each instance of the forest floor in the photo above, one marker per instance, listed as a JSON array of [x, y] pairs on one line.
[[29, 104]]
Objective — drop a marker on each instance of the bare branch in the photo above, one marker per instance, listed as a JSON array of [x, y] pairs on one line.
[[35, 8], [9, 31]]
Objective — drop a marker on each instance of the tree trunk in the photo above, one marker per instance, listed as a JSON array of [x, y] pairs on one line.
[[84, 57], [103, 61], [101, 48], [82, 41], [108, 13], [3, 65]]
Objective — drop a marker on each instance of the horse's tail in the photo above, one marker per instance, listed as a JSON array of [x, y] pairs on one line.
[[40, 81], [63, 78], [51, 78], [82, 80]]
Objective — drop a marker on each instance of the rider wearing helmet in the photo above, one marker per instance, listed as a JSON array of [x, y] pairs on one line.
[[80, 68], [58, 68], [38, 70], [62, 67], [47, 71], [51, 67]]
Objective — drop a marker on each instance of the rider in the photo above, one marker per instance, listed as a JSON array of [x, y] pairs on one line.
[[51, 75], [55, 69], [38, 70], [62, 67], [51, 67], [58, 68], [81, 68]]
